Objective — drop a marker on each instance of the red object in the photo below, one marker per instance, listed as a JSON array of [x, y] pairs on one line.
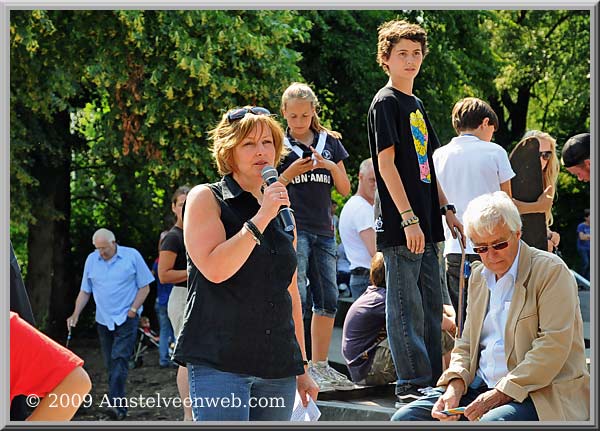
[[37, 362]]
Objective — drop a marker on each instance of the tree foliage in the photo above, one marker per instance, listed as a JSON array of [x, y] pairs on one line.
[[110, 108], [140, 88]]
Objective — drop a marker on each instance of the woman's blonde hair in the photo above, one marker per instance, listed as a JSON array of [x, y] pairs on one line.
[[228, 134], [550, 172], [299, 91]]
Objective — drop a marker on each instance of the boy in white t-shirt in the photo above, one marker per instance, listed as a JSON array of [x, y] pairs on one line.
[[469, 166]]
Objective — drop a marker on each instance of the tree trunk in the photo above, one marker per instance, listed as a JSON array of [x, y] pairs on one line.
[[49, 278]]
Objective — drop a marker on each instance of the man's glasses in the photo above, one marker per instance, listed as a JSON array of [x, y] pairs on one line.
[[238, 114], [481, 249], [546, 155]]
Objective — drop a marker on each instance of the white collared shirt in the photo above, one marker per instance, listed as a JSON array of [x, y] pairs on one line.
[[492, 360]]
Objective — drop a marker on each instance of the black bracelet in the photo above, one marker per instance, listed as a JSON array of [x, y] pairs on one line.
[[258, 237], [448, 207]]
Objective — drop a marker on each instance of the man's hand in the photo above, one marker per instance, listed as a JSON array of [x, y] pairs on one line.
[[448, 319], [72, 321], [131, 314], [452, 221], [449, 400], [486, 402], [415, 240]]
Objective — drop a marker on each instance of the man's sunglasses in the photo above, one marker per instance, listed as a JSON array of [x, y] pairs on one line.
[[546, 155], [238, 114], [484, 248]]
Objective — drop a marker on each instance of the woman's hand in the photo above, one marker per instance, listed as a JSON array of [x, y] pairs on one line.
[[298, 167], [545, 200], [274, 196], [306, 388], [320, 162]]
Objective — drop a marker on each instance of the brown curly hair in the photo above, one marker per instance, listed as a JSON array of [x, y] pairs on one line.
[[390, 33]]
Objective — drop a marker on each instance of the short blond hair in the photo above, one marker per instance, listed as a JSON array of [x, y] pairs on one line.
[[391, 32], [228, 134]]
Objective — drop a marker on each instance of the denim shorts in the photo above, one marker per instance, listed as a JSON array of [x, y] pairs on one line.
[[317, 263]]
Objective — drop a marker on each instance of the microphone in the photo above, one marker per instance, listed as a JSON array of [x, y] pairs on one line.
[[269, 175]]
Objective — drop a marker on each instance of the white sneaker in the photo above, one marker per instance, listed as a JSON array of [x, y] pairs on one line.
[[338, 380], [322, 382]]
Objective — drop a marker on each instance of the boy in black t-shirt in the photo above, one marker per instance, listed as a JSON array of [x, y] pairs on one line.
[[407, 210]]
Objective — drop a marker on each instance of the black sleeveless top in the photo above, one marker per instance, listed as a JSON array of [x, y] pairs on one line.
[[243, 325]]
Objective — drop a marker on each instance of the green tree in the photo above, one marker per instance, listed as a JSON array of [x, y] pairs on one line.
[[113, 107]]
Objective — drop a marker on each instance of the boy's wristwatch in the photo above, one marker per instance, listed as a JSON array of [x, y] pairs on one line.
[[448, 207]]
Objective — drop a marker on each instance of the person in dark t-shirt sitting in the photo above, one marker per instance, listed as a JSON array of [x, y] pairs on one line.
[[364, 339]]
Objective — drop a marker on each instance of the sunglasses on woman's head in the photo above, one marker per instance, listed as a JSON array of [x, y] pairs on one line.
[[546, 155], [481, 249], [238, 114]]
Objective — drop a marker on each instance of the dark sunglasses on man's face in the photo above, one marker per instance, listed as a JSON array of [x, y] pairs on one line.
[[546, 155], [238, 114], [484, 248]]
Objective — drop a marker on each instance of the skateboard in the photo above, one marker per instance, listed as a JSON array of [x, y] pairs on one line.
[[527, 185]]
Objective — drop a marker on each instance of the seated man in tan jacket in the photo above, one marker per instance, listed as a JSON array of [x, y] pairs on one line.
[[521, 356]]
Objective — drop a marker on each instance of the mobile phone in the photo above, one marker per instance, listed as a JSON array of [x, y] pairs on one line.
[[306, 154], [454, 411]]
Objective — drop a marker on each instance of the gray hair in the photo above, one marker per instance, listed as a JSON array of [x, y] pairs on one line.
[[364, 165], [486, 212], [103, 233]]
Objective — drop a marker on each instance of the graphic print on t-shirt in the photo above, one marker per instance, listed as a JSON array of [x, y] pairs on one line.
[[419, 132]]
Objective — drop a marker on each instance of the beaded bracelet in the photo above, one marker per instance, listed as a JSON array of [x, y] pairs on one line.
[[409, 221]]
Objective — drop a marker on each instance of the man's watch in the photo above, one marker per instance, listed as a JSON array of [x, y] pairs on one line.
[[133, 309], [448, 207]]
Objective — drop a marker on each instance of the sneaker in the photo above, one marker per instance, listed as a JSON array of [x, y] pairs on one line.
[[338, 380], [407, 394], [322, 382], [426, 391]]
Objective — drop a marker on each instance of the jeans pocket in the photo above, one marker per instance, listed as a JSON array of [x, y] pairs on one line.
[[403, 251]]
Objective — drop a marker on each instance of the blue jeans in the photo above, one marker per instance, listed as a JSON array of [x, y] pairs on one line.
[[414, 314], [166, 334], [221, 396], [320, 251], [420, 410], [358, 284], [117, 347], [584, 254]]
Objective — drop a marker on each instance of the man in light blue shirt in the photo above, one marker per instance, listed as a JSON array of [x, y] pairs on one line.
[[119, 279]]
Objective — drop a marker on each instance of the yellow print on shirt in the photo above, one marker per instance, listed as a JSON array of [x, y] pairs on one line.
[[419, 133]]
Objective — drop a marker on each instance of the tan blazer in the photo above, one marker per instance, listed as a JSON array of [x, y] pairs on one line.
[[543, 338]]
